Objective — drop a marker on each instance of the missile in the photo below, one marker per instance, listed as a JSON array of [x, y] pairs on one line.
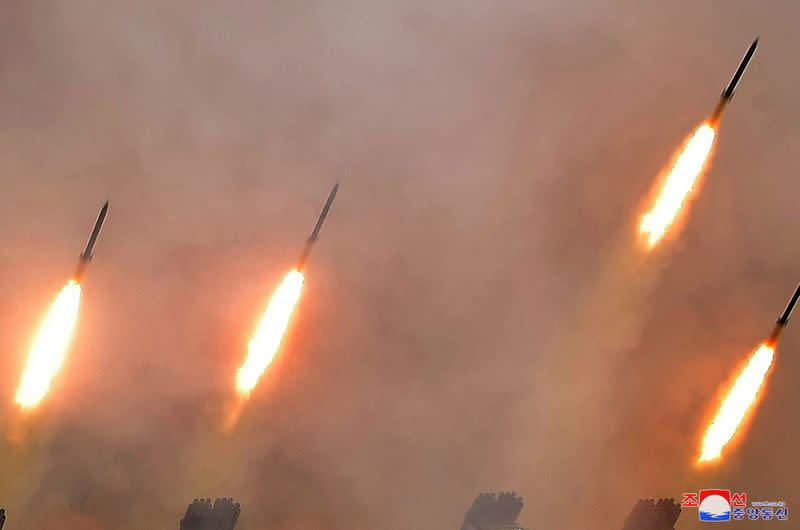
[[312, 239], [784, 318], [86, 256], [727, 94]]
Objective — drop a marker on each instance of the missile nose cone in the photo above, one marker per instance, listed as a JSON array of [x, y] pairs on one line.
[[784, 318], [102, 215], [751, 50], [318, 226], [730, 89], [86, 255]]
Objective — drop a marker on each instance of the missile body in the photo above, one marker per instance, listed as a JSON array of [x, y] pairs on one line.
[[784, 318], [86, 256], [312, 239], [727, 94]]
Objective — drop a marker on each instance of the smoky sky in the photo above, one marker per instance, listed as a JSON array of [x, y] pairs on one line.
[[476, 314]]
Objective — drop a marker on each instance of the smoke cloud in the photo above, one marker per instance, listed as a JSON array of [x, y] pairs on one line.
[[476, 315]]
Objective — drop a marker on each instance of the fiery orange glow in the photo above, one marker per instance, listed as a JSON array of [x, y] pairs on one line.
[[267, 339], [739, 400], [680, 182], [49, 347]]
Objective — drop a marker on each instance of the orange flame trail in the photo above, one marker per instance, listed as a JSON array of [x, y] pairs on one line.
[[49, 347], [267, 339], [680, 182], [739, 400]]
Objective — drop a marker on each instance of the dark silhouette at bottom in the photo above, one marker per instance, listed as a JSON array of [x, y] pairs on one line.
[[203, 515], [648, 514], [493, 512], [488, 512]]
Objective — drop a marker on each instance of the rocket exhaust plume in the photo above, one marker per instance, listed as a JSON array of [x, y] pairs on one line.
[[742, 396], [269, 333], [738, 401], [689, 165], [268, 336], [49, 347], [679, 184], [55, 334]]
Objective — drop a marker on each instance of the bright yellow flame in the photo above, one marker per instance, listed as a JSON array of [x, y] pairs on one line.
[[679, 184], [739, 400], [49, 347], [264, 344]]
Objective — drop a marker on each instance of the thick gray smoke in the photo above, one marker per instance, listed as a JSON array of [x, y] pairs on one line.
[[475, 315]]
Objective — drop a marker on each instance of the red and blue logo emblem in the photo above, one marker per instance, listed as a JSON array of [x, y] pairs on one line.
[[715, 505]]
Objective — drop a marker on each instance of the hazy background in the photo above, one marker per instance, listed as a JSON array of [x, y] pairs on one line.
[[493, 158]]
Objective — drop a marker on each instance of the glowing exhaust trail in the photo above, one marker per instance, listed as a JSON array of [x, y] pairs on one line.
[[52, 340], [741, 399], [270, 331], [689, 165], [49, 347], [737, 403], [268, 336], [680, 182]]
